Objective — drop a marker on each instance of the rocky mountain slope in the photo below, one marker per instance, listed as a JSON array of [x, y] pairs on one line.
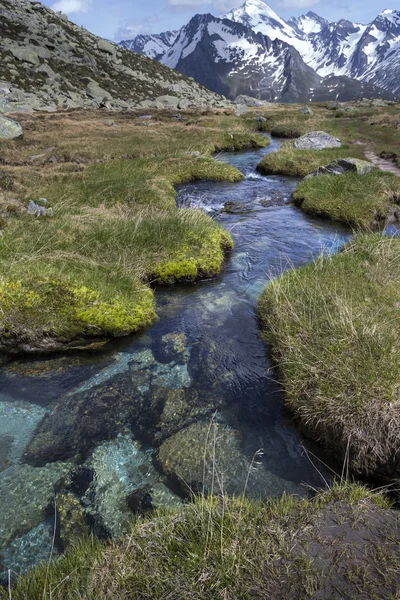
[[49, 63], [367, 53]]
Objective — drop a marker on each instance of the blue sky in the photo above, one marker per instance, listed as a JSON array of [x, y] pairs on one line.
[[121, 19]]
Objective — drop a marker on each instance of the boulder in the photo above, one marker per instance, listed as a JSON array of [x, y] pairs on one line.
[[9, 129], [306, 110], [344, 165], [249, 101], [317, 140], [241, 109], [27, 55]]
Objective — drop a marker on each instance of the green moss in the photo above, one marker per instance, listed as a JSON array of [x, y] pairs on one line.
[[334, 332], [359, 200], [299, 163], [188, 264], [34, 311]]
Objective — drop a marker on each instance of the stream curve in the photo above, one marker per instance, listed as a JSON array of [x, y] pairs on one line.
[[116, 432]]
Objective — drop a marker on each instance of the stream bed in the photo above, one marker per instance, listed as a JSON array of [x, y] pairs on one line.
[[93, 438]]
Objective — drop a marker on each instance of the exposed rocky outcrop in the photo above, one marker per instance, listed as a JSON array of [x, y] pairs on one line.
[[48, 63], [317, 140], [345, 165]]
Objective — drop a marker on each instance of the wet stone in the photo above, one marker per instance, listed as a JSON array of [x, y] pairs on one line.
[[25, 494], [18, 421], [28, 550], [79, 422], [174, 348], [207, 457], [166, 411], [120, 467]]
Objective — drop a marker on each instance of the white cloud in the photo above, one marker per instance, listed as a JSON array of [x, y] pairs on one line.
[[127, 30], [72, 6]]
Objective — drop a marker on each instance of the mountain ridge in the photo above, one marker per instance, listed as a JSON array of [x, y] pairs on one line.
[[368, 53]]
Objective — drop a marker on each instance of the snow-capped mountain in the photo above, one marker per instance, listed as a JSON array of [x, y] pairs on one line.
[[365, 52], [309, 23], [262, 19], [368, 53], [152, 45], [233, 59]]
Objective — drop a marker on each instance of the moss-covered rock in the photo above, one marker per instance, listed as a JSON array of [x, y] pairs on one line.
[[45, 315]]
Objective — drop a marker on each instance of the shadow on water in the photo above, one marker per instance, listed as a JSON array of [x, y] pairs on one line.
[[75, 416]]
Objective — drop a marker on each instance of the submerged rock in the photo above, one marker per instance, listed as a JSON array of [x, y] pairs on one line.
[[28, 550], [18, 421], [25, 494], [317, 140], [9, 129], [207, 456], [344, 165], [174, 348], [236, 208], [79, 422], [166, 411], [121, 471]]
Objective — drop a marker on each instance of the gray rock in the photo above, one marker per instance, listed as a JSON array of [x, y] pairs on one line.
[[38, 210], [306, 110], [344, 165], [94, 91], [9, 129], [250, 101], [25, 55], [241, 109], [25, 493], [317, 140], [145, 117], [107, 47]]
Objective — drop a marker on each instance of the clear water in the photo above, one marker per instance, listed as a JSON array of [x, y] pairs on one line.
[[108, 414]]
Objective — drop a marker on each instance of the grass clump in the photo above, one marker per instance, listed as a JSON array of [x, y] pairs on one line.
[[218, 547], [299, 163], [359, 200], [334, 331]]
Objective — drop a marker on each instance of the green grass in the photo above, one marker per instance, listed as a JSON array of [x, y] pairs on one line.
[[115, 226], [299, 163], [358, 200], [334, 331], [235, 548]]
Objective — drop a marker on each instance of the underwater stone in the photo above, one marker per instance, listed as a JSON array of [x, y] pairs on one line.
[[79, 422], [174, 348], [25, 494], [18, 421], [166, 411], [28, 550], [121, 468], [207, 456]]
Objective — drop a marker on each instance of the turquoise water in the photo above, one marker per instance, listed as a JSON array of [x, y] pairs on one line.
[[95, 438]]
